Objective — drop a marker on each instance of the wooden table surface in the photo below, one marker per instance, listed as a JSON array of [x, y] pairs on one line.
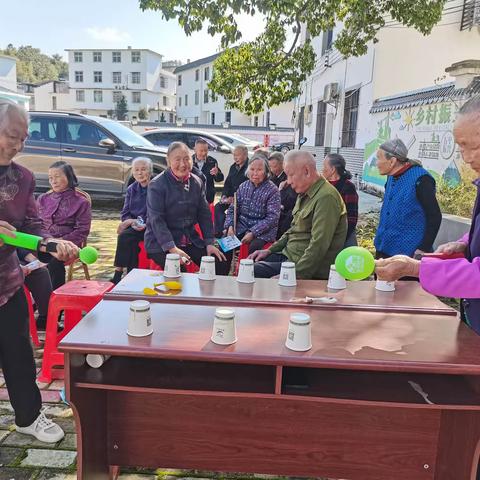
[[408, 296], [362, 340]]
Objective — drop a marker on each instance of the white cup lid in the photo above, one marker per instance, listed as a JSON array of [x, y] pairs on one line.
[[140, 305], [333, 267], [288, 265], [246, 261], [208, 259], [300, 317], [173, 256], [224, 313]]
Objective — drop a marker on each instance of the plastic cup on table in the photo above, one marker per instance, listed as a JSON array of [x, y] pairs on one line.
[[355, 263]]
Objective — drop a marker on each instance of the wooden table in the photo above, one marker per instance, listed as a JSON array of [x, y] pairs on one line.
[[344, 409], [408, 296]]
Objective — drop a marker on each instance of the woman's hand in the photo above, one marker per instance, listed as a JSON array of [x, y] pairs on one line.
[[212, 250], [393, 268], [66, 250], [248, 237], [451, 247], [230, 232], [184, 258], [124, 225], [7, 230]]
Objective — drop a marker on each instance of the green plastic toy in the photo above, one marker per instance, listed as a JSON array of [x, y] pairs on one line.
[[355, 263]]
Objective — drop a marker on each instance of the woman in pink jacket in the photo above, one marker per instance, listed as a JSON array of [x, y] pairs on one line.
[[452, 277]]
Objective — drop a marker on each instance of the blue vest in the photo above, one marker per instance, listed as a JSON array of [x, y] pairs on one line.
[[402, 218]]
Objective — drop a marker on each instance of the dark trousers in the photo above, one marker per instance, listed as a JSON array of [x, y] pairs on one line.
[[196, 254], [126, 255], [220, 211], [269, 267], [40, 285], [56, 268], [17, 361]]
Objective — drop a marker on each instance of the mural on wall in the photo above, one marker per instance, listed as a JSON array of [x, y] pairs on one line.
[[426, 131]]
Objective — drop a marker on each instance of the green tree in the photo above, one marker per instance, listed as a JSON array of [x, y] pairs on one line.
[[270, 69], [121, 108], [143, 114]]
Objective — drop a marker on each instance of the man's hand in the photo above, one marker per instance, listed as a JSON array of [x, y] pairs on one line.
[[451, 247], [259, 255], [7, 230], [393, 268], [124, 225], [248, 237], [66, 250], [214, 171], [184, 257], [212, 250]]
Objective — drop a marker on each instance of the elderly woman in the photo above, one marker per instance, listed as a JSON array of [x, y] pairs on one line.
[[410, 215], [258, 207], [134, 216], [65, 212], [175, 204], [334, 170]]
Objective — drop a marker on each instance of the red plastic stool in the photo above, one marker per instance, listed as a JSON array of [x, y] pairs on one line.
[[31, 314], [73, 298], [143, 261]]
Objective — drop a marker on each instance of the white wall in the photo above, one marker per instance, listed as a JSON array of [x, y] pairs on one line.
[[8, 73]]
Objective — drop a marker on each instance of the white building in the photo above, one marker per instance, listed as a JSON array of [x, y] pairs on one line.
[[196, 103], [99, 78], [8, 81], [48, 95], [334, 110]]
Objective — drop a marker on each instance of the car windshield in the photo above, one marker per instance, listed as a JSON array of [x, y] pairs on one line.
[[125, 134], [235, 139]]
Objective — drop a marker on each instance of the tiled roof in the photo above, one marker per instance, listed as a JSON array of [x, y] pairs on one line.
[[196, 63], [426, 96]]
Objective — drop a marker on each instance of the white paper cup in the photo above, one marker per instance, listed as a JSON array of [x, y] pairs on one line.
[[384, 286], [245, 272], [288, 277], [96, 360], [172, 266], [335, 280], [224, 331], [299, 336], [207, 268], [140, 321]]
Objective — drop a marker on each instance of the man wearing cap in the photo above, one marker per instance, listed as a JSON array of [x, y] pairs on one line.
[[410, 215]]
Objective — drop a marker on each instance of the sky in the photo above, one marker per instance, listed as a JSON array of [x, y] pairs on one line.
[[53, 26]]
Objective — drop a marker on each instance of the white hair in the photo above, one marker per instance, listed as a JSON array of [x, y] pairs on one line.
[[146, 160], [301, 156], [8, 108]]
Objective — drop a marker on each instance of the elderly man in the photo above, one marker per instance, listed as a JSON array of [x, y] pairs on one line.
[[456, 277], [288, 196], [208, 166], [319, 226], [410, 215], [18, 211], [236, 176]]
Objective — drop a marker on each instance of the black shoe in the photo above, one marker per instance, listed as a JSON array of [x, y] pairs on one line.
[[41, 322], [117, 276]]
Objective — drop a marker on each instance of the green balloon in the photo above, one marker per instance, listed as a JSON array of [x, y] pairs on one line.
[[88, 255], [355, 263]]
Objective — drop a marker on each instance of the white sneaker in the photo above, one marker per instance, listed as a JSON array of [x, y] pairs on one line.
[[43, 429]]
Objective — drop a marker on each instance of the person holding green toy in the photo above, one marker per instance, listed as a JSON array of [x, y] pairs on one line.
[[18, 212]]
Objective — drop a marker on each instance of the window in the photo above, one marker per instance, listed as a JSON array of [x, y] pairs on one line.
[[116, 57], [213, 118], [165, 101], [97, 96], [191, 138], [197, 97], [164, 139], [186, 100], [136, 77], [117, 96], [267, 121], [82, 133], [80, 95], [97, 57], [206, 73], [197, 75], [43, 129], [179, 80], [320, 127], [214, 97], [54, 103], [79, 76], [205, 96], [228, 117], [116, 77], [301, 123], [136, 97], [170, 116], [78, 57], [196, 120], [327, 40], [350, 116], [179, 101], [135, 57], [97, 77], [163, 82], [255, 121]]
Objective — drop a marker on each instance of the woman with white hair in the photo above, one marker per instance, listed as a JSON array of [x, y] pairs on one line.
[[134, 218]]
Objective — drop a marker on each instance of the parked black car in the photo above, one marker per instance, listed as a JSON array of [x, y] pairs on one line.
[[283, 147]]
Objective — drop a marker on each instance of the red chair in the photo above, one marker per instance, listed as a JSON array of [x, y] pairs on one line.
[[73, 298], [143, 261], [31, 314], [243, 253]]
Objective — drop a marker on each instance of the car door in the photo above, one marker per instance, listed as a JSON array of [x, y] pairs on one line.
[[99, 169], [42, 148]]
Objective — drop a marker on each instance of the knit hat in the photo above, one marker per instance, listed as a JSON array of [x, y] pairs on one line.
[[396, 148]]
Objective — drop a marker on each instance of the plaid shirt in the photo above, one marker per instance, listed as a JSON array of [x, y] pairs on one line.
[[350, 196]]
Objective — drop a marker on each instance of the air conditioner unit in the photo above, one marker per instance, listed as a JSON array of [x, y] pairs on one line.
[[330, 92], [308, 115]]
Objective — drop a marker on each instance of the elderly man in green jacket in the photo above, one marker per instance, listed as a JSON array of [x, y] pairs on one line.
[[318, 229]]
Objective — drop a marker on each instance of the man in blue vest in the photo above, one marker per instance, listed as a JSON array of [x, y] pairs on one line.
[[410, 215]]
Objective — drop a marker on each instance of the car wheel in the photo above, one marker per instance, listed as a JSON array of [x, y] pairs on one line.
[[285, 149]]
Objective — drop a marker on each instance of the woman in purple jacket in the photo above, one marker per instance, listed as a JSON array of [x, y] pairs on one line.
[[66, 213], [134, 218]]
